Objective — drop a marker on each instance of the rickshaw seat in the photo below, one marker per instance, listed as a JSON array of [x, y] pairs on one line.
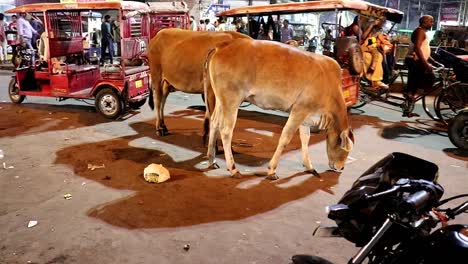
[[133, 70], [72, 68]]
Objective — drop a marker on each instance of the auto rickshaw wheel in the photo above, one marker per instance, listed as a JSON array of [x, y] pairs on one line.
[[108, 103], [137, 105], [458, 130], [13, 92]]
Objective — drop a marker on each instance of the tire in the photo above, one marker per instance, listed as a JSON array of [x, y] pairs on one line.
[[360, 102], [458, 130], [108, 103], [137, 105], [15, 60], [448, 104], [13, 92], [429, 102], [355, 60]]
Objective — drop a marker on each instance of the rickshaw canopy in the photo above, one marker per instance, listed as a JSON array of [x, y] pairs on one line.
[[37, 8], [360, 7], [168, 7]]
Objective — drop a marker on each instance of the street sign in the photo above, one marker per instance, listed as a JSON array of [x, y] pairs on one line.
[[449, 13]]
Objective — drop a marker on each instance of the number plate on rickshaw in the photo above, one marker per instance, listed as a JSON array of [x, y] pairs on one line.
[[346, 93], [138, 83]]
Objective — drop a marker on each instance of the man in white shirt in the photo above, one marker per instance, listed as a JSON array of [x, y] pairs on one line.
[[209, 26], [25, 31], [286, 32], [193, 24], [3, 40]]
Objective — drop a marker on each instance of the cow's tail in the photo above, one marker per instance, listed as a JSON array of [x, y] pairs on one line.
[[150, 97], [206, 86]]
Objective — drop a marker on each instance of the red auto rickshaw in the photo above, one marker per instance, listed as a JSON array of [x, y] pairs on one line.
[[63, 67]]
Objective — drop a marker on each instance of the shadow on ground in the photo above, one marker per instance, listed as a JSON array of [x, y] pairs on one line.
[[35, 118], [189, 197]]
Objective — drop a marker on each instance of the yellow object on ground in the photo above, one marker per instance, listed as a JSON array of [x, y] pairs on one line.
[[156, 173]]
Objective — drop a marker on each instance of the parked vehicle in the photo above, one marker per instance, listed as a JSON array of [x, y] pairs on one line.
[[346, 50], [458, 130], [391, 212], [62, 68]]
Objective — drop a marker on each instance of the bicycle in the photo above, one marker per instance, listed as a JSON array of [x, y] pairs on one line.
[[368, 95], [454, 97]]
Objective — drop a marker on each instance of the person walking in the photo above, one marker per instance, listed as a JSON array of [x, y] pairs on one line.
[[13, 38], [420, 73], [193, 24], [3, 40], [286, 32], [107, 43], [25, 31], [36, 23]]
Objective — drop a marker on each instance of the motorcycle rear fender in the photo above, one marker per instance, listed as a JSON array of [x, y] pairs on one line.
[[327, 231]]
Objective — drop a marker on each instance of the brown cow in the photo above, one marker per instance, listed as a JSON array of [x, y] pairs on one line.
[[176, 59], [280, 77]]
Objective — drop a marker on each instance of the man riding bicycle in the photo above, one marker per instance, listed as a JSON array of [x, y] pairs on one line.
[[420, 73]]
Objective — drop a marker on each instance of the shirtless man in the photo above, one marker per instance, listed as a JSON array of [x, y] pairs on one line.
[[420, 74]]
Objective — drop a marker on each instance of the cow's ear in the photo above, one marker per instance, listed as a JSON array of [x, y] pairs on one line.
[[347, 140]]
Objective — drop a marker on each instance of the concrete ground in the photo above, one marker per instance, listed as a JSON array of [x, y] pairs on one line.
[[114, 216]]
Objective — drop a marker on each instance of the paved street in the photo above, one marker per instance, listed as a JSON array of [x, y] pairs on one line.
[[114, 216]]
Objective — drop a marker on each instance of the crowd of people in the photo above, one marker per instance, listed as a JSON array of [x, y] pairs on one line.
[[271, 30], [23, 29]]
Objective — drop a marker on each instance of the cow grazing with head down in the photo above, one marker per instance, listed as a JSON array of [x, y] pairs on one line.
[[176, 59], [279, 77]]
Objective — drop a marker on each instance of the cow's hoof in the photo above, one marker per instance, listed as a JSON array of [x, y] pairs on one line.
[[161, 132], [313, 172], [272, 177], [237, 175], [165, 130], [213, 166]]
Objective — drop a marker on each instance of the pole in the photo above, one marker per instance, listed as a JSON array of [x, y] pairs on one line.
[[459, 12], [465, 14], [438, 16], [336, 23], [408, 14]]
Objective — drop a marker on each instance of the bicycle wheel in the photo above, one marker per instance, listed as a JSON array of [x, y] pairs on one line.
[[451, 101], [361, 101], [429, 101], [458, 130]]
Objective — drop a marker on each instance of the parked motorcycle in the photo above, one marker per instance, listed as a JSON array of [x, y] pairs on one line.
[[391, 212]]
